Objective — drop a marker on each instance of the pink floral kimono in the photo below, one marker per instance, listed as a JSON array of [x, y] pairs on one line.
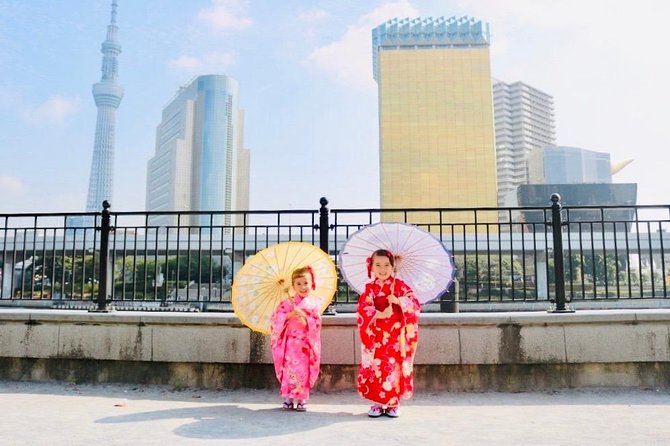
[[296, 347]]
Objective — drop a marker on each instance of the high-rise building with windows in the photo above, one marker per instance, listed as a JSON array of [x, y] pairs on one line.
[[200, 162], [524, 121], [436, 134]]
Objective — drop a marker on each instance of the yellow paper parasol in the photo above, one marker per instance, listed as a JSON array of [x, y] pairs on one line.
[[265, 280]]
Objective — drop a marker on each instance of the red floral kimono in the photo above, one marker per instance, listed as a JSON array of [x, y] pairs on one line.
[[388, 344], [296, 347]]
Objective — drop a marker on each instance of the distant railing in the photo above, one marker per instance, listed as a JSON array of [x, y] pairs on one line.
[[188, 260]]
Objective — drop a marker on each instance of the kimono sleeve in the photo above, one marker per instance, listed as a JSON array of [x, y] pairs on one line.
[[410, 305], [278, 321], [313, 315], [365, 313]]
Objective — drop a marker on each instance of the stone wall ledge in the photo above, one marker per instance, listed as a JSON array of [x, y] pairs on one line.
[[341, 319], [589, 346]]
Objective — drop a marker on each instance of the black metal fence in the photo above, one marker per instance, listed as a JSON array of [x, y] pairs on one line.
[[188, 260]]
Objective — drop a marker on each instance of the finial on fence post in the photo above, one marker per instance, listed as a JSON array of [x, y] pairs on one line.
[[559, 271], [323, 225]]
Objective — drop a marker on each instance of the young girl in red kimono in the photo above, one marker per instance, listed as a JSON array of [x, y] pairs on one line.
[[296, 341], [388, 323]]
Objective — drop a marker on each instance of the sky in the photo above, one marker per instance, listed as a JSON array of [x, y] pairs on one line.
[[305, 75]]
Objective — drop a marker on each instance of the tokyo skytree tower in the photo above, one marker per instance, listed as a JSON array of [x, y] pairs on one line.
[[107, 94]]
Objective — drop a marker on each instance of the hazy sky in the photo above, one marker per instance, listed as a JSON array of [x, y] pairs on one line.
[[305, 75]]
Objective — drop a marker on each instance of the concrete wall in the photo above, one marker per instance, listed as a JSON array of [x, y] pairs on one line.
[[466, 351]]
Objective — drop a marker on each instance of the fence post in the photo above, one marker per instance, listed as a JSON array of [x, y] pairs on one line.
[[559, 271], [103, 271], [324, 226], [449, 299]]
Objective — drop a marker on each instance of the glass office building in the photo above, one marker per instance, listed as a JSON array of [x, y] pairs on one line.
[[575, 165], [623, 195], [436, 132], [200, 163]]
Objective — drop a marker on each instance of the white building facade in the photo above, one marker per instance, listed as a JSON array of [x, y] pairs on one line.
[[524, 121]]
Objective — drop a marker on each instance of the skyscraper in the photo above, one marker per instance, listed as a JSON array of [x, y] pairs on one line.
[[435, 114], [524, 121], [200, 162], [107, 94]]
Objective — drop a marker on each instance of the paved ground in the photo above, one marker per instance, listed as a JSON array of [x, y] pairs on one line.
[[62, 414]]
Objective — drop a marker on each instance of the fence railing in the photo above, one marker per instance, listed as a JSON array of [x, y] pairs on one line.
[[188, 260]]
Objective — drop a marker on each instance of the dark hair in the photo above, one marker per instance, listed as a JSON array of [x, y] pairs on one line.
[[384, 253]]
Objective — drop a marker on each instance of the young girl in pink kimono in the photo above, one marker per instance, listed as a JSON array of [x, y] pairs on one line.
[[296, 341]]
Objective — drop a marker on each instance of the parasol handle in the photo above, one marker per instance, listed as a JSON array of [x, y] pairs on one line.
[[393, 291]]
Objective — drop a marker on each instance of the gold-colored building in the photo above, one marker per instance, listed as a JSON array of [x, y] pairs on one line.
[[436, 131]]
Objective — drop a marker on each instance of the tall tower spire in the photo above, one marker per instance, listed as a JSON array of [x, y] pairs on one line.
[[107, 94]]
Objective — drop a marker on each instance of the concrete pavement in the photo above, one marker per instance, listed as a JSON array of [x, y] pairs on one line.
[[67, 414]]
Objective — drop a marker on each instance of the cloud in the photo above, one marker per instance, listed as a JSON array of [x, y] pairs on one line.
[[349, 59], [10, 185], [313, 15], [226, 15], [210, 62], [595, 24], [54, 110], [21, 196], [13, 193]]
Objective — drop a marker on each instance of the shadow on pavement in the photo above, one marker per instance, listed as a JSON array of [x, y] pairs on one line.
[[235, 422]]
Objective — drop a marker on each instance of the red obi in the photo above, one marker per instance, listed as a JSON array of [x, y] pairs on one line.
[[381, 302]]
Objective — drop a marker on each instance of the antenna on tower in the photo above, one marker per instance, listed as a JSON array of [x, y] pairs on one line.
[[114, 5]]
